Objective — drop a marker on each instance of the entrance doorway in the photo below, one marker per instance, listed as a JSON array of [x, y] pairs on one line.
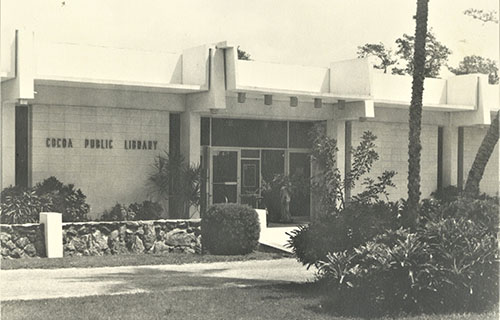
[[239, 175]]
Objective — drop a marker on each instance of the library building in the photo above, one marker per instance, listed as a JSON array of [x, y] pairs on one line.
[[98, 117]]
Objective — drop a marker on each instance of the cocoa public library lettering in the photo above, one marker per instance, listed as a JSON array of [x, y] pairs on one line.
[[102, 144]]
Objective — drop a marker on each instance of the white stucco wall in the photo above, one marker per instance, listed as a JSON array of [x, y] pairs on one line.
[[106, 176], [472, 140], [392, 148]]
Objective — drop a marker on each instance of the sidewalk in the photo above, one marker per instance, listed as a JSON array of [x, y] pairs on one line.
[[30, 284]]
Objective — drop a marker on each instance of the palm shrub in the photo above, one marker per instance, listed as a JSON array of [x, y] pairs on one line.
[[176, 181], [230, 229]]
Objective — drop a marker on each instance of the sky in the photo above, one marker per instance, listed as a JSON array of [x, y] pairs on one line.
[[314, 32]]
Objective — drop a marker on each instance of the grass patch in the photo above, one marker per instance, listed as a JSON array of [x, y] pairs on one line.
[[130, 260], [287, 301]]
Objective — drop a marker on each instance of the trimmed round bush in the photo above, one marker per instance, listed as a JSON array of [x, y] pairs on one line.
[[230, 229]]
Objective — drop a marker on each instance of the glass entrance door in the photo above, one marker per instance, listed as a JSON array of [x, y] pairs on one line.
[[224, 176], [250, 182]]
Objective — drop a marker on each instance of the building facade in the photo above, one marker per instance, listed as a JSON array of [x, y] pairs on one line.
[[98, 117]]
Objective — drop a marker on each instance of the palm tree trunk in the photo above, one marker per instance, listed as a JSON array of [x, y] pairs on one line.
[[415, 117], [482, 156]]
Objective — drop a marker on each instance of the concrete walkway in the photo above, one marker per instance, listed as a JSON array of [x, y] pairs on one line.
[[29, 284]]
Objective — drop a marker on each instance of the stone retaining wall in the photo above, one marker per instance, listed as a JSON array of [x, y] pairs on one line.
[[102, 238], [22, 240]]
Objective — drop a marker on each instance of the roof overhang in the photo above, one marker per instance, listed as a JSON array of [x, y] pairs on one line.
[[122, 85]]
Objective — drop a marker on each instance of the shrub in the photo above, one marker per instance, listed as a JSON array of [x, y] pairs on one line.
[[118, 213], [466, 254], [66, 199], [383, 274], [352, 227], [448, 265], [148, 210], [446, 194], [230, 229], [484, 211], [22, 205], [328, 184]]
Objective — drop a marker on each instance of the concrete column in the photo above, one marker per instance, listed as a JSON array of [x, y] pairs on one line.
[[52, 225], [450, 156], [190, 144], [190, 137]]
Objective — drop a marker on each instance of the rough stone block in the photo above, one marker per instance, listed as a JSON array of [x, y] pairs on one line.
[[179, 237], [137, 245]]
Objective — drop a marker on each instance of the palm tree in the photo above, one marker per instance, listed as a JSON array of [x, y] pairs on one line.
[[490, 139], [415, 117], [482, 156]]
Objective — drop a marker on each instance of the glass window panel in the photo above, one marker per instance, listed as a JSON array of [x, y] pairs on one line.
[[225, 165], [273, 163], [299, 134], [250, 154], [249, 133]]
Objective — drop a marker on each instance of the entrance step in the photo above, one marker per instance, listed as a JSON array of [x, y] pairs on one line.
[[277, 238]]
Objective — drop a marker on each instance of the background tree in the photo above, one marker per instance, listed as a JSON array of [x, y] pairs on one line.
[[484, 16], [477, 64], [386, 56], [415, 117], [243, 55], [436, 55]]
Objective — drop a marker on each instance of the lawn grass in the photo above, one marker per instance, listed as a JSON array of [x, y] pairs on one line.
[[285, 301], [129, 260]]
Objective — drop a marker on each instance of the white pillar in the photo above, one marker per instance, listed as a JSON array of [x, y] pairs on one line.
[[190, 137], [262, 214], [52, 224], [190, 143]]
